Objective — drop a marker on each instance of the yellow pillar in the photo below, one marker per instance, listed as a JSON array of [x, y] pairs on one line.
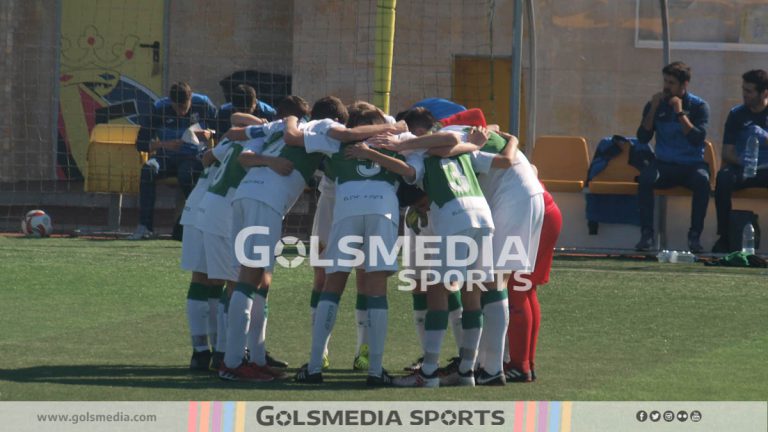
[[385, 41]]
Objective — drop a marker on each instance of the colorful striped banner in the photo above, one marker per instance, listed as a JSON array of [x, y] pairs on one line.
[[192, 419], [205, 413], [527, 416]]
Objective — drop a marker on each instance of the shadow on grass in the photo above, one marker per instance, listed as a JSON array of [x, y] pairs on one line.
[[167, 377]]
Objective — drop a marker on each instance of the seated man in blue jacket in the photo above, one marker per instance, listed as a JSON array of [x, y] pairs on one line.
[[160, 135], [679, 120], [745, 120]]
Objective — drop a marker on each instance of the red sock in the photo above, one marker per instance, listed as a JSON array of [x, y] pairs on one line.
[[533, 299], [519, 330]]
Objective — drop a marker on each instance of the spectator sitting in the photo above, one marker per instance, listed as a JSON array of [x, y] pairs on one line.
[[160, 135], [745, 120], [679, 120]]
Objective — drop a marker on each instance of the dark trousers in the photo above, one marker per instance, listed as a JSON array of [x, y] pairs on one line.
[[185, 168], [730, 179], [664, 175]]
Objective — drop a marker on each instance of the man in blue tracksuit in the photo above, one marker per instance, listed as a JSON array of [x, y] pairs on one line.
[[745, 120], [160, 135], [679, 120]]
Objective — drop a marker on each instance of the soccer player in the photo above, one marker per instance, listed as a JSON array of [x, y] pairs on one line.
[[494, 298], [366, 206], [203, 294], [219, 228]]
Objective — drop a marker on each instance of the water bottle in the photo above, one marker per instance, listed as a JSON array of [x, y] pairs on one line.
[[673, 256], [751, 156], [663, 256], [748, 239], [686, 257]]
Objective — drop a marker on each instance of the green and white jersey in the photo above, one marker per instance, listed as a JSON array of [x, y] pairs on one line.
[[362, 186], [215, 216], [190, 212], [457, 200], [279, 192], [519, 182]]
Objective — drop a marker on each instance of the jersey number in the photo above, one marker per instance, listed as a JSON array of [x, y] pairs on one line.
[[456, 178], [368, 169]]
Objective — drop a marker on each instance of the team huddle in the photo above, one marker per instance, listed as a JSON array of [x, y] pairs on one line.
[[458, 179]]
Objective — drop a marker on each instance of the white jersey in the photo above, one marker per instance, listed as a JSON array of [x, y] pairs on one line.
[[362, 187], [263, 184], [190, 212], [519, 182], [215, 209]]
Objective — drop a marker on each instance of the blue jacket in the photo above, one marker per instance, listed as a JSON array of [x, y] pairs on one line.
[[743, 123], [672, 145], [164, 123]]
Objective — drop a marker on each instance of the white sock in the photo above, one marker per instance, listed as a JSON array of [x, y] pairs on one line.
[[418, 321], [221, 327], [238, 323], [436, 323], [472, 326], [213, 319], [314, 312], [454, 318], [258, 328], [495, 322], [361, 318], [325, 319], [197, 318], [378, 316]]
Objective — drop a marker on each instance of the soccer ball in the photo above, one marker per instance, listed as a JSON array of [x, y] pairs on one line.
[[36, 223]]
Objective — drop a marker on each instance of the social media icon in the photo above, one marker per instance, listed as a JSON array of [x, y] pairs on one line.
[[669, 416], [695, 416], [655, 416], [682, 416], [641, 416]]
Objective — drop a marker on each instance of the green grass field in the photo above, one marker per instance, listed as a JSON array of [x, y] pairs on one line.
[[105, 320]]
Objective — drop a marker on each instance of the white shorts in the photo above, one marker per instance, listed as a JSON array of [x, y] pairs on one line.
[[516, 236], [366, 226], [321, 224], [460, 251], [193, 250], [256, 250], [220, 257]]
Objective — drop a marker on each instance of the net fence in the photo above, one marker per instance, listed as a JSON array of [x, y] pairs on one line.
[[73, 65]]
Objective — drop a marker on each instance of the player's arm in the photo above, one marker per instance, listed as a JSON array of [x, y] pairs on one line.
[[292, 135], [279, 165], [397, 166], [208, 158], [475, 140], [359, 133], [445, 152], [243, 119], [439, 139]]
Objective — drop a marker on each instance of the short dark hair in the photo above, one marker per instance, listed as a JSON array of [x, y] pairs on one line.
[[679, 70], [330, 107], [418, 117], [292, 106], [758, 77], [365, 116], [180, 93], [243, 98]]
